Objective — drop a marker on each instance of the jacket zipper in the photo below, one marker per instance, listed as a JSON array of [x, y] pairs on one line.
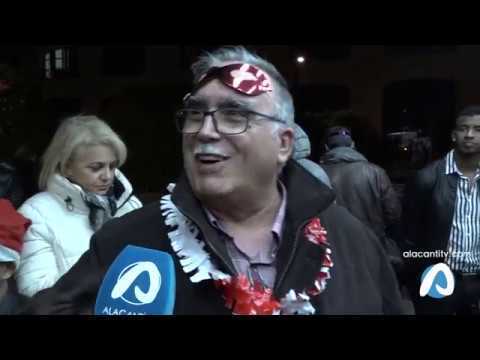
[[289, 263], [232, 270]]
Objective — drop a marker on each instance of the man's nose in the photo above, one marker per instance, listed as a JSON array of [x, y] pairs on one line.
[[208, 130], [469, 133]]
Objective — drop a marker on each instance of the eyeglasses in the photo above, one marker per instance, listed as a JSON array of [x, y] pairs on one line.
[[227, 121]]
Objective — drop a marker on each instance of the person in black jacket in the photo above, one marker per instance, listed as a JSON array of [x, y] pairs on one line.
[[442, 222], [362, 187], [19, 142], [17, 180], [366, 191], [18, 168], [243, 213]]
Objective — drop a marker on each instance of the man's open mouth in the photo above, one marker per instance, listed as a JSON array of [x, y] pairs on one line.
[[210, 158]]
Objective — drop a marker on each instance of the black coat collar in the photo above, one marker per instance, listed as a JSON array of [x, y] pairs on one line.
[[306, 198]]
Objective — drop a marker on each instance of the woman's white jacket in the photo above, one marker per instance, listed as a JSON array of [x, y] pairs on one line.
[[60, 232]]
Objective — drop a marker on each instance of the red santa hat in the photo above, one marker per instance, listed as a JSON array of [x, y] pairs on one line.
[[12, 228]]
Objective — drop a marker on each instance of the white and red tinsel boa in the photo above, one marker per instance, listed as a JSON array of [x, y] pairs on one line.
[[240, 296]]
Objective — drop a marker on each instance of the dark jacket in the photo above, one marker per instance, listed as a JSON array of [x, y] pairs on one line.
[[429, 206], [12, 301], [364, 189], [10, 187], [362, 280], [17, 181]]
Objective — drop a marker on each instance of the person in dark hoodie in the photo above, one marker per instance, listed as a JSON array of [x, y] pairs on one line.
[[364, 189], [17, 175], [19, 143], [18, 167]]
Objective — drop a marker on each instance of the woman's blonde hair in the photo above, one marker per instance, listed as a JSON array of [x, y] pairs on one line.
[[73, 132]]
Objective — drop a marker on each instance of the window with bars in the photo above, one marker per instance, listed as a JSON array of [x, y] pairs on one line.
[[59, 62]]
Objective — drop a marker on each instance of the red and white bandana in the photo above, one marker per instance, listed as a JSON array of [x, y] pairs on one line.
[[244, 78]]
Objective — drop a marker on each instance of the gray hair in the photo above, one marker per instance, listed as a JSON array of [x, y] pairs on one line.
[[283, 102], [73, 132]]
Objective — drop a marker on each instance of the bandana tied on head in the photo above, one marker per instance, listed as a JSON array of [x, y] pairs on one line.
[[244, 78]]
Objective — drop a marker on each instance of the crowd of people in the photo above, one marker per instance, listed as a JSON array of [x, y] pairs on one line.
[[314, 237]]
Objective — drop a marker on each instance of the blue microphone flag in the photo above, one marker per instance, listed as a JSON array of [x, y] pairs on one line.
[[140, 281]]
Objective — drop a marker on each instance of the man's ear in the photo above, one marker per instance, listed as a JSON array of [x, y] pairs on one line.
[[67, 169], [287, 138]]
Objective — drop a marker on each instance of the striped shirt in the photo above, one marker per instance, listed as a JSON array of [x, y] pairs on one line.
[[260, 268], [464, 242]]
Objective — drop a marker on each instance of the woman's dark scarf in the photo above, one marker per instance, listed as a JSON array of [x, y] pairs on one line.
[[102, 208], [100, 211]]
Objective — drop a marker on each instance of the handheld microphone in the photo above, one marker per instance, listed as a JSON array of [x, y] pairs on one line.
[[140, 281]]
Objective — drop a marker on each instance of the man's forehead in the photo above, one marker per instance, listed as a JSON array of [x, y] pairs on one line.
[[216, 93], [469, 120], [219, 97]]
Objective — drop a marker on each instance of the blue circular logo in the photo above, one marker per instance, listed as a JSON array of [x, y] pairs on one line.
[[434, 278]]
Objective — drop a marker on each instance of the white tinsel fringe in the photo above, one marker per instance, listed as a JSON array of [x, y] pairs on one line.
[[296, 304], [185, 243], [193, 257]]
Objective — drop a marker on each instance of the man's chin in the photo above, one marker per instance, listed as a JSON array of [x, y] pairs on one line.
[[469, 151], [210, 188]]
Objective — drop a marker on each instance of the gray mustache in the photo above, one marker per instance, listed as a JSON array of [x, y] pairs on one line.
[[207, 149]]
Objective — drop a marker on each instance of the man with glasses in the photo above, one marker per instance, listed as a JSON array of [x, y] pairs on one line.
[[250, 231]]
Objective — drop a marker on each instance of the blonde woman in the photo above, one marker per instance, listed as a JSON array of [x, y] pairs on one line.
[[81, 189]]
